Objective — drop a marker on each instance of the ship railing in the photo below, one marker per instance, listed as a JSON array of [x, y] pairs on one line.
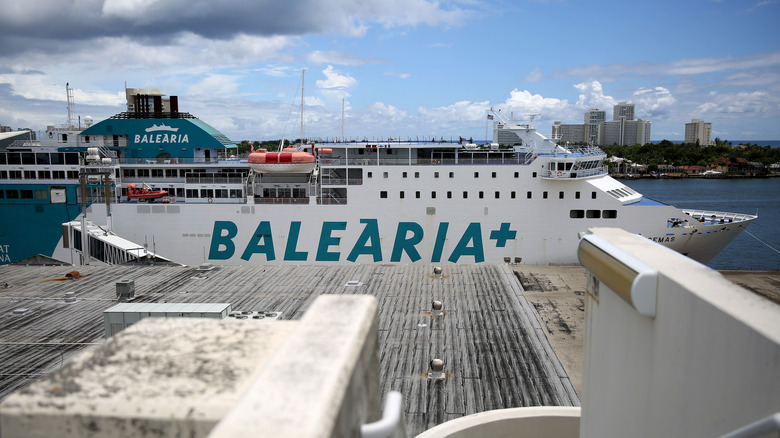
[[213, 179], [464, 158], [269, 200], [341, 181], [571, 174], [717, 217]]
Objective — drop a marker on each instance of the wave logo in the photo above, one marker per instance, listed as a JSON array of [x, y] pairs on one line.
[[161, 127]]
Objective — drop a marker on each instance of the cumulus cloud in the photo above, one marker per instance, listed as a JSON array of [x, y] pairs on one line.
[[592, 96], [653, 102]]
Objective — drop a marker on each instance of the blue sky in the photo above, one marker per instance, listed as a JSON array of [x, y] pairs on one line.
[[407, 68]]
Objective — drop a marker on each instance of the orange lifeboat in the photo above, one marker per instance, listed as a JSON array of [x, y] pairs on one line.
[[145, 193], [290, 160]]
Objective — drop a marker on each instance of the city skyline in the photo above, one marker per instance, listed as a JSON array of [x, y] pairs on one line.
[[414, 68]]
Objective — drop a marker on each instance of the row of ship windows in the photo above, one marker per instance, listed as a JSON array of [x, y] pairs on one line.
[[40, 174], [202, 193], [436, 174], [481, 195], [23, 194]]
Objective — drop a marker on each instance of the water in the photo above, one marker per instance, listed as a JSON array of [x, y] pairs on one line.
[[760, 195]]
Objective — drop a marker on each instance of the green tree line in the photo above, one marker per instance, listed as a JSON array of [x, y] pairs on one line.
[[688, 154]]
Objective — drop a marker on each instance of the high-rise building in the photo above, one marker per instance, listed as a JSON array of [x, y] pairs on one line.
[[698, 132], [593, 119], [623, 109], [568, 133], [624, 132]]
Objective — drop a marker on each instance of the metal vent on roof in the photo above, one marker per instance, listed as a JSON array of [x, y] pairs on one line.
[[353, 283], [21, 311]]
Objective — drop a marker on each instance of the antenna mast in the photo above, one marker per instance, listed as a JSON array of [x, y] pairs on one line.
[[69, 92], [303, 72]]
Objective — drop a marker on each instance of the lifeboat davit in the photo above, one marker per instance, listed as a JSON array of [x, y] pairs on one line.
[[145, 193], [287, 161]]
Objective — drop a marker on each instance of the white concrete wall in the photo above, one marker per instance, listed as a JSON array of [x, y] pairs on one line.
[[707, 364], [317, 377]]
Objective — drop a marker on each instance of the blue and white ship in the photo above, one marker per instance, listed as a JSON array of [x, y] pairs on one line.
[[524, 199]]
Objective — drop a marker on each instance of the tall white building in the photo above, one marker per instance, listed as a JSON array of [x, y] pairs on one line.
[[698, 132], [569, 133], [623, 109], [593, 119], [624, 132]]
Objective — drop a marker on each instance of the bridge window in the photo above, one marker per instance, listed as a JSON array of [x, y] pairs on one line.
[[593, 214], [576, 214], [609, 214]]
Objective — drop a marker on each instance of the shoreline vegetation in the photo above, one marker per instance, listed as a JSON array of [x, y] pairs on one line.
[[671, 160]]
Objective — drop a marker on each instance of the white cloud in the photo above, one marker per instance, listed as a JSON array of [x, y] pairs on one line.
[[536, 75], [592, 96], [654, 102]]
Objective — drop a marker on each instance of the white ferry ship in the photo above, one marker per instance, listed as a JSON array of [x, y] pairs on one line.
[[159, 184]]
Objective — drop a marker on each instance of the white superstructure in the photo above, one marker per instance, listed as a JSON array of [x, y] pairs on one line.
[[402, 202]]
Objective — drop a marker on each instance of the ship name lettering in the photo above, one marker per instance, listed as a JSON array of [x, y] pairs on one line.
[[663, 239], [408, 236], [161, 138]]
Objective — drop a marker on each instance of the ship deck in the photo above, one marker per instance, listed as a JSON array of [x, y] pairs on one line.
[[495, 351]]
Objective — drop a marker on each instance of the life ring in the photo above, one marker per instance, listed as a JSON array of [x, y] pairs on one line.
[[560, 174], [211, 200]]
